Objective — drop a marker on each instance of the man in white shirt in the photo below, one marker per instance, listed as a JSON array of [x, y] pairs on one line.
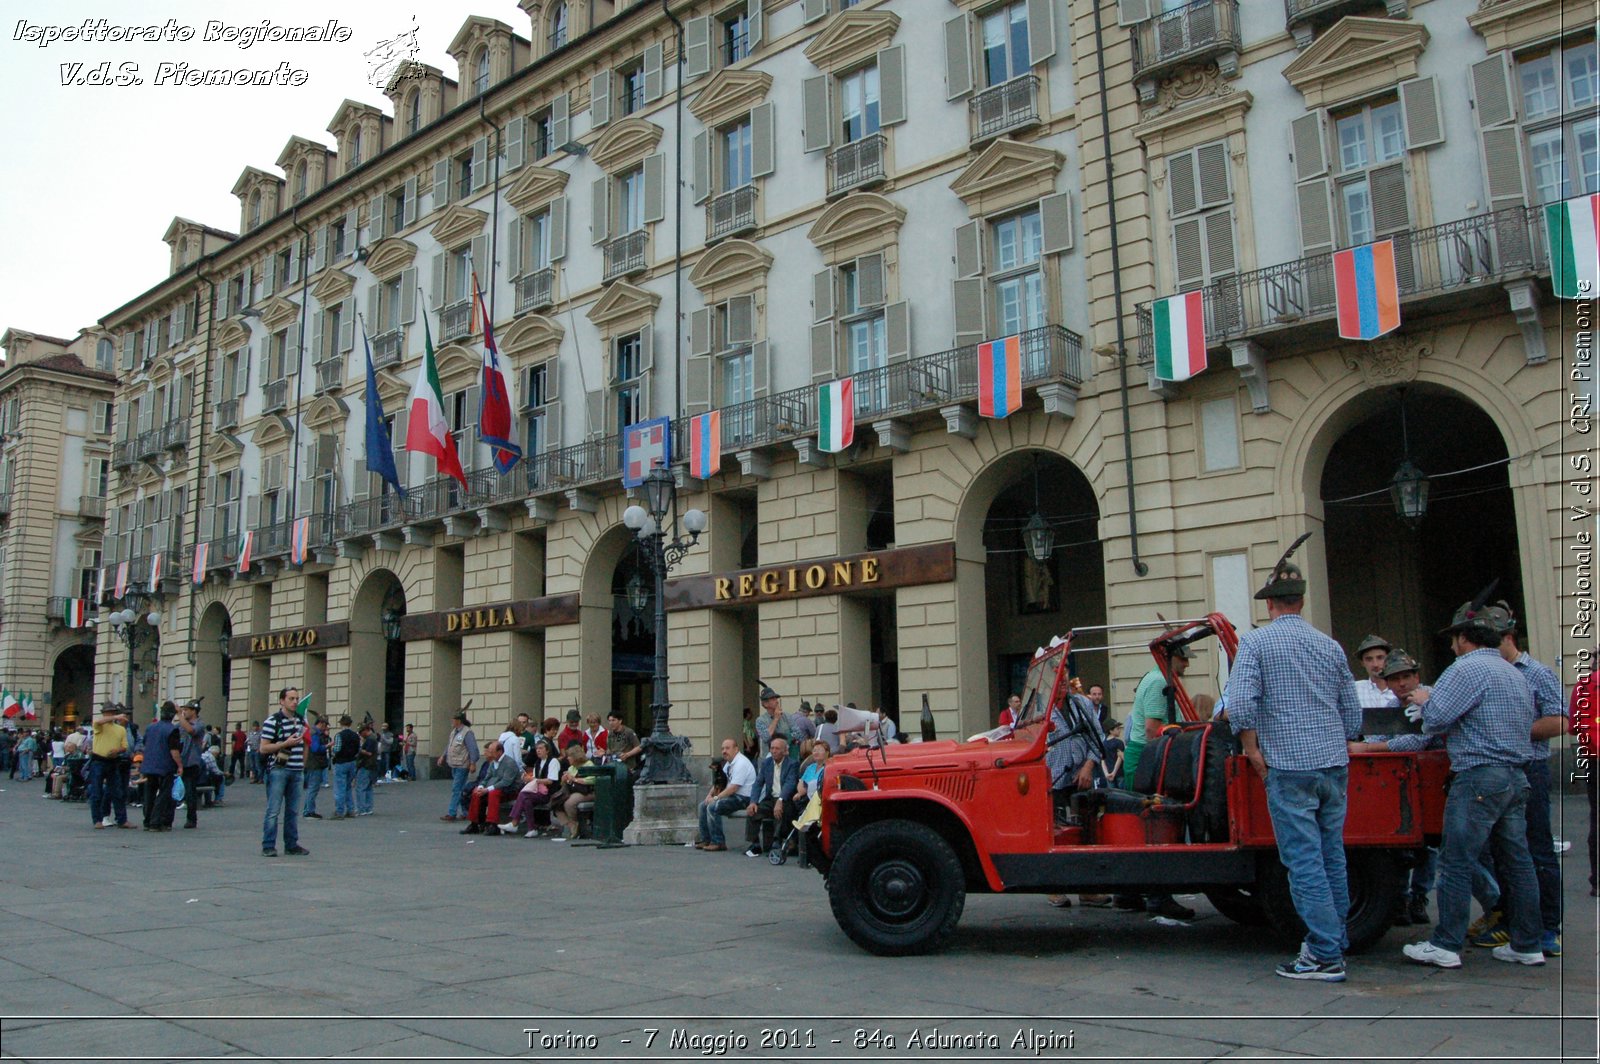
[[718, 803], [1373, 691]]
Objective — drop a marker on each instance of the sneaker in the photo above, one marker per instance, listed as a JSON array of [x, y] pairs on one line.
[[532, 834], [1428, 953], [1561, 845], [338, 816], [754, 851], [509, 825], [367, 813], [269, 853], [1488, 920], [298, 851], [1095, 901], [313, 816], [1306, 967], [1060, 901], [1550, 943], [1511, 956], [713, 847], [1498, 935]]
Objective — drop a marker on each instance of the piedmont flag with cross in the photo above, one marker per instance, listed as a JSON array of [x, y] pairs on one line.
[[645, 444]]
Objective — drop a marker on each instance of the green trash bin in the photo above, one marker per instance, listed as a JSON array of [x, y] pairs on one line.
[[613, 802]]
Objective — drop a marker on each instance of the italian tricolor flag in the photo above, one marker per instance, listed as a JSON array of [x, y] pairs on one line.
[[1180, 333], [1574, 231], [428, 431], [836, 415], [74, 614]]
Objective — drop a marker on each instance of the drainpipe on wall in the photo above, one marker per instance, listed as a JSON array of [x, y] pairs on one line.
[[198, 494], [494, 217], [677, 222], [299, 359]]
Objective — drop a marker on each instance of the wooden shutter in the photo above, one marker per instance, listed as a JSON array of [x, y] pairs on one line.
[[347, 326], [436, 289], [441, 183], [252, 512], [1493, 96], [242, 374], [818, 132], [374, 307], [595, 413], [1041, 30], [1055, 223], [958, 56], [892, 85], [754, 28], [822, 357], [969, 249], [966, 296], [481, 263], [558, 229], [552, 427], [1188, 254], [375, 222], [697, 384], [1221, 257], [700, 166], [1132, 12], [655, 187], [600, 99], [480, 163], [763, 140], [652, 73], [814, 10], [515, 254], [760, 368], [514, 142], [1495, 108], [869, 280], [129, 359], [1316, 216], [352, 232], [408, 296], [1211, 165], [741, 321], [294, 265], [822, 295], [700, 322], [697, 47], [897, 331], [1387, 187], [319, 249], [1419, 107], [647, 352], [599, 209], [1309, 145], [560, 121], [272, 274], [316, 337], [180, 323]]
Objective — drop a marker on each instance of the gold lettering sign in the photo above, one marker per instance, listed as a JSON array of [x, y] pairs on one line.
[[769, 583], [873, 570], [816, 576], [725, 586], [841, 572], [747, 585], [484, 617], [292, 639], [869, 570]]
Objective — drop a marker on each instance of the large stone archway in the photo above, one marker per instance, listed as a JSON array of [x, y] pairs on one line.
[[211, 660], [596, 618], [377, 662], [72, 685]]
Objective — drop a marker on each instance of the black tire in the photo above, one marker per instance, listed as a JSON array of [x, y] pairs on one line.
[[1374, 878], [1239, 904], [897, 888]]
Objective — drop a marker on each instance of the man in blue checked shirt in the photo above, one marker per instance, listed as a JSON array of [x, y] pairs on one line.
[[1484, 709], [1292, 702]]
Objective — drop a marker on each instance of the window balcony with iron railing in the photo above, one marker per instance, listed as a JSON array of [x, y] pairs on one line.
[[227, 415], [139, 572], [1009, 106], [272, 541], [387, 348], [1200, 32], [330, 375], [455, 320], [92, 507], [1442, 266], [122, 454], [175, 435], [275, 396], [1305, 17], [625, 255], [859, 164], [362, 517], [731, 213], [55, 607], [148, 445], [536, 290]]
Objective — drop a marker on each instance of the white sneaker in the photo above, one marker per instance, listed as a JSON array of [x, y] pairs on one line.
[[509, 825], [1511, 956], [107, 822], [1561, 845], [1428, 953], [532, 834]]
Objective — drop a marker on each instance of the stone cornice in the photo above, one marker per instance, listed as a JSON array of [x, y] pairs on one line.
[[622, 301], [729, 262], [532, 333], [1195, 123], [730, 94], [332, 287], [624, 144], [537, 186], [389, 256], [1348, 58], [852, 36], [459, 224], [326, 413], [1514, 23], [856, 215], [278, 313]]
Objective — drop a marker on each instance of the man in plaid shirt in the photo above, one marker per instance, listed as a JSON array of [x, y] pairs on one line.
[[1293, 704]]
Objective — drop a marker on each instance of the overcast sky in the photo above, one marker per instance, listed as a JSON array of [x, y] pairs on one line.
[[94, 174]]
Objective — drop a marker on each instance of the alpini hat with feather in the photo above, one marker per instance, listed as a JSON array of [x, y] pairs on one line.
[[1286, 581], [1484, 621], [1399, 662], [1373, 642]]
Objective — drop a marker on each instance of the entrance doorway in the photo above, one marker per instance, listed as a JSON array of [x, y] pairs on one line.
[[72, 686], [633, 640], [1404, 580], [211, 661], [375, 617]]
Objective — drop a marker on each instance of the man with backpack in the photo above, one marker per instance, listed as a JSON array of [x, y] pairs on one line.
[[346, 746]]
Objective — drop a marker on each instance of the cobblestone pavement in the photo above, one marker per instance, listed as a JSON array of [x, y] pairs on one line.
[[400, 939]]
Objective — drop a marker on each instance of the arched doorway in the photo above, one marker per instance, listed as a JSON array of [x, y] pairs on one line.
[[72, 686], [633, 640], [1400, 581], [212, 663], [375, 643], [1024, 602]]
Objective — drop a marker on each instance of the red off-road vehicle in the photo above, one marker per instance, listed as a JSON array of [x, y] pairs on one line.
[[907, 834]]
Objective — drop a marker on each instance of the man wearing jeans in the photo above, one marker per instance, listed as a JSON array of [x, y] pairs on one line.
[[460, 757], [1293, 705], [316, 767], [346, 746], [1485, 710], [283, 759], [730, 799]]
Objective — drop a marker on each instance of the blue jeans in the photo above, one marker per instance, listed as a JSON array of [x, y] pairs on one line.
[[1486, 804], [283, 798], [105, 791], [365, 777], [344, 776], [1307, 811], [1541, 845], [458, 787], [1425, 872], [711, 815], [411, 766], [313, 784]]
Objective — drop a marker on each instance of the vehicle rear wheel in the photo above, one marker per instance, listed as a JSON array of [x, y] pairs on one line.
[[1242, 905], [897, 888], [1374, 878]]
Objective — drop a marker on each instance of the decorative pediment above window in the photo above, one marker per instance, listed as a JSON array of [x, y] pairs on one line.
[[350, 112], [624, 144], [457, 367], [278, 313], [859, 222], [393, 389], [251, 178], [537, 186], [326, 414], [159, 369], [224, 447], [333, 287], [852, 37], [532, 333], [1513, 23], [732, 268], [149, 475], [730, 94], [623, 303], [271, 429], [1006, 174], [459, 224], [298, 148], [232, 334], [1356, 57], [389, 256], [1182, 128]]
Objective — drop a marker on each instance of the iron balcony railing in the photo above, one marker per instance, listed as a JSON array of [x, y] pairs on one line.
[[227, 415], [55, 607], [139, 572], [1010, 105], [1186, 34], [455, 320], [272, 541], [858, 164], [362, 517], [122, 454], [330, 375], [1455, 256], [1303, 16], [730, 213], [223, 553], [92, 507], [386, 348], [536, 291], [275, 396], [149, 444], [175, 435], [624, 255]]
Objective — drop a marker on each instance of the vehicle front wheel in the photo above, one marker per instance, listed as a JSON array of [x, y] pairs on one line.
[[1239, 904], [897, 888], [1374, 877]]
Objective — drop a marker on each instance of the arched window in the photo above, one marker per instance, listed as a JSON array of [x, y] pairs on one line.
[[300, 180], [480, 77], [413, 112], [255, 208], [558, 26]]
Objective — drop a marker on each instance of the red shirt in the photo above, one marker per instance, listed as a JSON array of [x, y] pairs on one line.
[[238, 740], [570, 735]]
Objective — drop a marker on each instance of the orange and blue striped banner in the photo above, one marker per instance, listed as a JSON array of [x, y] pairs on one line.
[[1000, 377], [202, 559], [705, 445], [1366, 291], [299, 540]]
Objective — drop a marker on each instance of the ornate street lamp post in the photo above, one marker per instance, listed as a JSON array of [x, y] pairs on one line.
[[133, 625], [663, 751]]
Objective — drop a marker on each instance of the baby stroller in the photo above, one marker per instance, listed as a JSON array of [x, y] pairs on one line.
[[802, 829]]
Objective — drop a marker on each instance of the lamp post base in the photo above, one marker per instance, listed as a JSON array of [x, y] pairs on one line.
[[664, 815], [663, 759]]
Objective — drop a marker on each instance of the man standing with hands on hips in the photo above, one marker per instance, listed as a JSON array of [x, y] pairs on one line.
[[1293, 705], [283, 754]]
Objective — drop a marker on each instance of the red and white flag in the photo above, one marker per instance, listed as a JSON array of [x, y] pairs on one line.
[[247, 542], [202, 555], [645, 445], [122, 579], [155, 571]]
